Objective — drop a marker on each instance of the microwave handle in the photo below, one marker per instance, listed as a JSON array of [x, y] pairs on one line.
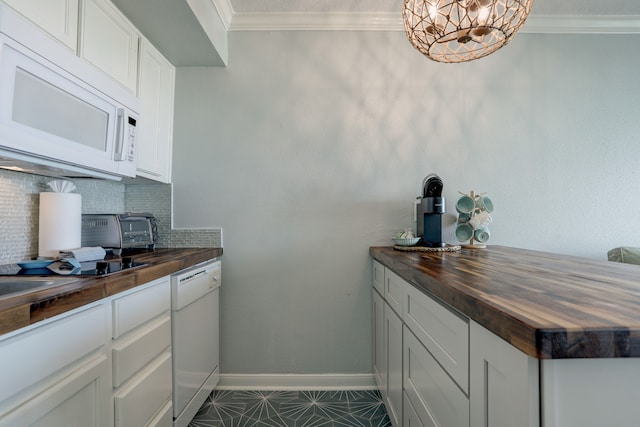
[[119, 153]]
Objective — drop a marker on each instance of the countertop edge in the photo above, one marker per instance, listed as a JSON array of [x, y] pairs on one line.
[[25, 310], [539, 343]]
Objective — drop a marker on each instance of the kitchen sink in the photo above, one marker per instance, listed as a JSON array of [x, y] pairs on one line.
[[12, 286]]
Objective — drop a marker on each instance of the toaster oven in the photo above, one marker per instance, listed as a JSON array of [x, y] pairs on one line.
[[119, 231]]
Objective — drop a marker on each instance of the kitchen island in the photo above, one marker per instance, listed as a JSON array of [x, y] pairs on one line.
[[568, 327]]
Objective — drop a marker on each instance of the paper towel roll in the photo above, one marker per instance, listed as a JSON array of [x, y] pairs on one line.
[[60, 223]]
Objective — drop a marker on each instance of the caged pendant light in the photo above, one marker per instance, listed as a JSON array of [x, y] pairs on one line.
[[462, 30]]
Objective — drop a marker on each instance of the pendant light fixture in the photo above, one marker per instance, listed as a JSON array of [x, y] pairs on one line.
[[462, 30]]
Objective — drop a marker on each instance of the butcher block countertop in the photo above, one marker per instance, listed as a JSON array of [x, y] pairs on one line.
[[547, 305], [23, 310]]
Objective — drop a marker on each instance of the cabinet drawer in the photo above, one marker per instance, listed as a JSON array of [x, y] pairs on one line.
[[140, 306], [135, 352], [164, 418], [394, 290], [443, 333], [140, 400], [436, 398], [377, 273], [32, 356], [411, 418]]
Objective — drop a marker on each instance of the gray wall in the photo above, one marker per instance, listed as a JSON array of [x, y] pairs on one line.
[[311, 146]]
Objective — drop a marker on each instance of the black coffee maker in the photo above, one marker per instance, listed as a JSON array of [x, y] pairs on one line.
[[429, 210]]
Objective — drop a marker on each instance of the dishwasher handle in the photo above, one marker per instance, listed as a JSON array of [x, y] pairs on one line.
[[185, 279]]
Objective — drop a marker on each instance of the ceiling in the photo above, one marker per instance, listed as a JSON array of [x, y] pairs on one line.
[[194, 32]]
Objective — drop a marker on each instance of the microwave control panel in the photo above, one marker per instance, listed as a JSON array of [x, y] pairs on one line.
[[131, 139]]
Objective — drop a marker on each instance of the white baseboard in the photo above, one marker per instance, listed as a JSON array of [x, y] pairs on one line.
[[296, 382]]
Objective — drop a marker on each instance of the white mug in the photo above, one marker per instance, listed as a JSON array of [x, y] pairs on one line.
[[480, 220]]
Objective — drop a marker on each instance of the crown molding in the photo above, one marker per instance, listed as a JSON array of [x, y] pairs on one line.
[[326, 21], [225, 11], [582, 24], [384, 21]]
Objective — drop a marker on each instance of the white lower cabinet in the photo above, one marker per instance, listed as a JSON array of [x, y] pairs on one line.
[[75, 400], [141, 355], [378, 344], [590, 392], [504, 383], [136, 403], [437, 399], [393, 356], [394, 289], [106, 364], [411, 417], [443, 332], [57, 373], [455, 373], [377, 273], [387, 357]]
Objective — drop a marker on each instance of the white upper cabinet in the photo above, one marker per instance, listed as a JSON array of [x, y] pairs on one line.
[[155, 132], [99, 33], [57, 17], [110, 42]]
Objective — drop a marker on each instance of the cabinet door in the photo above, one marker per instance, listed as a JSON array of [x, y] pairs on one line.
[[78, 399], [155, 133], [35, 358], [503, 383], [379, 370], [110, 42], [59, 18], [393, 357]]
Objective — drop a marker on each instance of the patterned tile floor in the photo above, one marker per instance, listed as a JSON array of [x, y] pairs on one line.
[[292, 409]]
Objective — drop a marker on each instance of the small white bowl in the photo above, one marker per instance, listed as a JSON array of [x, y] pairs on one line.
[[406, 242]]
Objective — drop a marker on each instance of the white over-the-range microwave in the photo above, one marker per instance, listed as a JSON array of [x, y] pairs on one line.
[[59, 115]]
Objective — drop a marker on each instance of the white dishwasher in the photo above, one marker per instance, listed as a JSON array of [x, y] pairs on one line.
[[195, 337]]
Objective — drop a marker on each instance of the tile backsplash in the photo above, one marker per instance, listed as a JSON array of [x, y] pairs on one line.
[[19, 214], [19, 204], [156, 198]]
